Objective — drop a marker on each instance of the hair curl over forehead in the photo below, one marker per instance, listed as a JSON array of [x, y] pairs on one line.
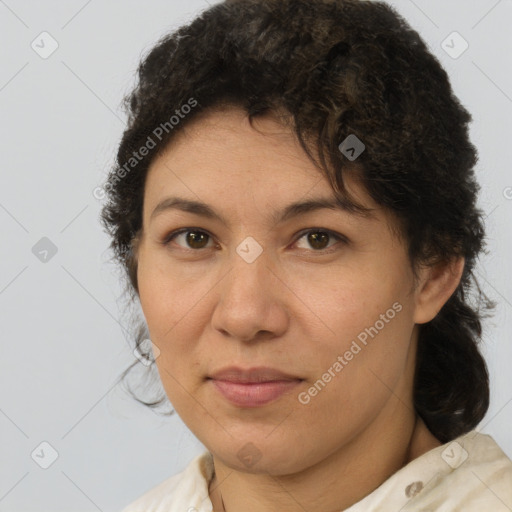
[[330, 69]]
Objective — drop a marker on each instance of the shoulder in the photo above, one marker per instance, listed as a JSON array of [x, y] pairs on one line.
[[477, 476], [470, 473], [184, 492]]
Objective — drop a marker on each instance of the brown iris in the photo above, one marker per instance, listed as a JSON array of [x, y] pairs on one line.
[[196, 239], [317, 239]]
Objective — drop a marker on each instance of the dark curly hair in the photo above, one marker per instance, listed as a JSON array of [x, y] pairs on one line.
[[330, 69]]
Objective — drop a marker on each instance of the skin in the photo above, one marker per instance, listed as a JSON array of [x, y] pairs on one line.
[[296, 308]]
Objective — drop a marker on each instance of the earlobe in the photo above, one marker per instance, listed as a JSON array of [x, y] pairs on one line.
[[436, 287]]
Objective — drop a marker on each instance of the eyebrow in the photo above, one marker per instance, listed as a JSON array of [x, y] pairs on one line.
[[292, 210]]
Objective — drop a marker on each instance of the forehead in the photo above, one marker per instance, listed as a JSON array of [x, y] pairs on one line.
[[223, 145], [211, 132]]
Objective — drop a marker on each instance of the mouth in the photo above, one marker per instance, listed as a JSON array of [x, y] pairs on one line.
[[252, 387]]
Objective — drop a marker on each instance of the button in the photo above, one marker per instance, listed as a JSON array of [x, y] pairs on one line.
[[412, 489]]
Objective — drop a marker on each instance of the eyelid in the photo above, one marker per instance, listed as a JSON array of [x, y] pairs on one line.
[[316, 229]]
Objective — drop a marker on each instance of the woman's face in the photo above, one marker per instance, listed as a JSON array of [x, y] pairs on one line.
[[321, 295]]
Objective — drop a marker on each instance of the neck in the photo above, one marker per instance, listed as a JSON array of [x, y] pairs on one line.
[[342, 479]]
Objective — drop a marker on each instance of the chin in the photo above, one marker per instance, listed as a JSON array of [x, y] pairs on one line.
[[262, 455]]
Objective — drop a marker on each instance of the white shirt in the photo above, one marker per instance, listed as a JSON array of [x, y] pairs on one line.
[[469, 474]]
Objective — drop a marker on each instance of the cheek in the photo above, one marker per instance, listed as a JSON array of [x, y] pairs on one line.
[[359, 333], [355, 374], [175, 312], [168, 299], [343, 301]]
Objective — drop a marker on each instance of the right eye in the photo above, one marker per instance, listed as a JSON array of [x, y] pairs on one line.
[[194, 239]]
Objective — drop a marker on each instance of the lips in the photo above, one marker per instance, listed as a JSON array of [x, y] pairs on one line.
[[253, 387], [252, 375]]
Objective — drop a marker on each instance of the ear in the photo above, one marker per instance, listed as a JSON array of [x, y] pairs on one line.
[[436, 285]]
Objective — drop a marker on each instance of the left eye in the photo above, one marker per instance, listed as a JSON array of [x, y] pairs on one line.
[[319, 238]]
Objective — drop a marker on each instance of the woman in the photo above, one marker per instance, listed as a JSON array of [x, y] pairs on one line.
[[294, 204]]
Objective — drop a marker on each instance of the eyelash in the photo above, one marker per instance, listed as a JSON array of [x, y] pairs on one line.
[[337, 236]]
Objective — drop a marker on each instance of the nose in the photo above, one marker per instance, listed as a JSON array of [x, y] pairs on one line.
[[251, 301]]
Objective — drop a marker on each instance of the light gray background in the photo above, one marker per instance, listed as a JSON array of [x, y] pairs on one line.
[[61, 325]]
